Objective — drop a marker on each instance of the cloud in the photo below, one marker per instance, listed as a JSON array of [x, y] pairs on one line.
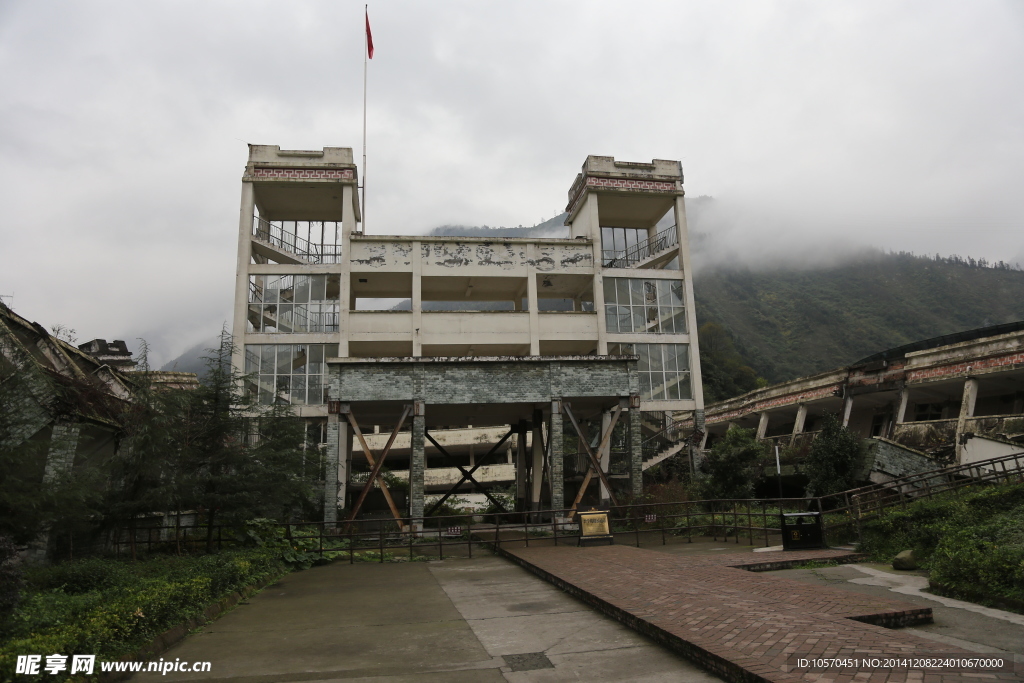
[[892, 124]]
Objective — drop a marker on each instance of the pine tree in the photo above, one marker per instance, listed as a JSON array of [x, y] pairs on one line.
[[833, 458]]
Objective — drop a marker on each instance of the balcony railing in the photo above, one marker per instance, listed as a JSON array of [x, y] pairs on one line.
[[641, 251], [273, 233]]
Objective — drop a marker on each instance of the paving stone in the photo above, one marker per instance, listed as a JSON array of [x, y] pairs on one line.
[[741, 625]]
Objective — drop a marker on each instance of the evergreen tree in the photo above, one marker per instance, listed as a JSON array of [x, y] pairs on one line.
[[834, 456], [140, 472], [235, 460], [731, 469]]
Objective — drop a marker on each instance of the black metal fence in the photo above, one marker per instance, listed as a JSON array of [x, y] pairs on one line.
[[411, 538]]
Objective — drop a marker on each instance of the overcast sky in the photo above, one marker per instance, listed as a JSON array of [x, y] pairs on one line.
[[122, 129]]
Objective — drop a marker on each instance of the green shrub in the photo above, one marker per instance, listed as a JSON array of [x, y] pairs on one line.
[[72, 608], [82, 576], [971, 541]]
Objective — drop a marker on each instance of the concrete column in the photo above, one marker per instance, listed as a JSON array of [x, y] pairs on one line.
[[970, 398], [605, 454], [762, 425], [417, 464], [537, 467], [555, 472], [901, 410], [801, 418], [691, 309], [60, 457], [417, 298], [346, 301], [602, 327], [531, 292], [332, 468], [847, 408], [344, 460], [636, 453], [697, 450], [521, 465], [246, 212]]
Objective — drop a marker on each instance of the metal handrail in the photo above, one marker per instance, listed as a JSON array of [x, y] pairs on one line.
[[276, 236], [659, 441], [641, 251]]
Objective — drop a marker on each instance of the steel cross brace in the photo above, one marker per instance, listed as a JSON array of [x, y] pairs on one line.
[[375, 471], [595, 463], [469, 474], [465, 473]]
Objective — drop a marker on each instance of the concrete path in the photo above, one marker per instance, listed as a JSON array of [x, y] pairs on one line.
[[962, 624], [458, 621]]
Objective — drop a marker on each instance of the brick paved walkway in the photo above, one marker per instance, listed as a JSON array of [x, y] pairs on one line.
[[741, 625]]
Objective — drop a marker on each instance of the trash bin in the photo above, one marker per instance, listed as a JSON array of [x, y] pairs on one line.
[[802, 531]]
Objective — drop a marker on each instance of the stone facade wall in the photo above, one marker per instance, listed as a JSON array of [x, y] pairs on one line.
[[889, 460], [466, 382]]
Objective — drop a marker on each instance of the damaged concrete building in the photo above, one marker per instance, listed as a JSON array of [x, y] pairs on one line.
[[509, 336], [955, 399], [57, 397]]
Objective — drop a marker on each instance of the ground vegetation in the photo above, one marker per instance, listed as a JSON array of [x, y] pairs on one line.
[[971, 541]]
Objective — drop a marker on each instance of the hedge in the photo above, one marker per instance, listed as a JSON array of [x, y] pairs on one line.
[[112, 608]]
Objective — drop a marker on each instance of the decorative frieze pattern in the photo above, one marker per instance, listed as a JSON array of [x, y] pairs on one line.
[[303, 173]]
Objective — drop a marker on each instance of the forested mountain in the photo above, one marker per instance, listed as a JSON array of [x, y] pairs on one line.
[[787, 323]]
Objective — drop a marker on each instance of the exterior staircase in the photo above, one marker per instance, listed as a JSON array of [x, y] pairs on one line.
[[663, 444], [650, 253]]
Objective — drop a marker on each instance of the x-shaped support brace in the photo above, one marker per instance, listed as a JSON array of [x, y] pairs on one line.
[[465, 473], [469, 475], [375, 465], [595, 463]]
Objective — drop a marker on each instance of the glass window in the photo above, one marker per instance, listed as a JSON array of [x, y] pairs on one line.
[[252, 359], [639, 306], [293, 304], [318, 288], [267, 359], [288, 373], [284, 359], [664, 370], [301, 289]]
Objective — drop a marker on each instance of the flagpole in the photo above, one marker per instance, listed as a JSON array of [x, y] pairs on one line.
[[366, 51]]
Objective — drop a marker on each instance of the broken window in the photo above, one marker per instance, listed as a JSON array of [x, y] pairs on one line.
[[664, 369], [634, 305], [293, 304], [927, 411], [295, 374]]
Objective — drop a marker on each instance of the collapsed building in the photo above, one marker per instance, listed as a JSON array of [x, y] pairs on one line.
[[954, 399], [58, 397], [502, 341]]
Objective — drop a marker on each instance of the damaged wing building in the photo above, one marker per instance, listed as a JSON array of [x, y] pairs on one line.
[[437, 353], [952, 400]]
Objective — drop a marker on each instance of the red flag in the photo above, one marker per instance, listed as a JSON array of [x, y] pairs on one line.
[[369, 37]]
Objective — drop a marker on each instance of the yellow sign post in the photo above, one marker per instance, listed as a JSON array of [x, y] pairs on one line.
[[594, 527]]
